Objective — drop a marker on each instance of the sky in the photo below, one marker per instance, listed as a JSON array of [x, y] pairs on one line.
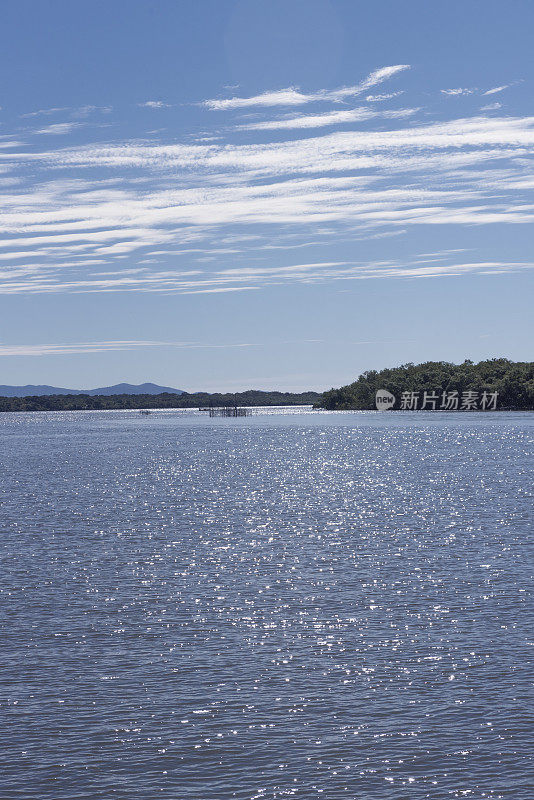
[[270, 194]]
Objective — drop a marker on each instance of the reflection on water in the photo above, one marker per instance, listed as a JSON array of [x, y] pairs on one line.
[[286, 605]]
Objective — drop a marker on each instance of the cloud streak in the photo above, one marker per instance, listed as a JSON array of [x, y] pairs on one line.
[[154, 104], [106, 347], [59, 128], [328, 118], [294, 97], [497, 89], [459, 92]]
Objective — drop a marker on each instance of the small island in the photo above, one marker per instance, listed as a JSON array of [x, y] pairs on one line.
[[512, 381]]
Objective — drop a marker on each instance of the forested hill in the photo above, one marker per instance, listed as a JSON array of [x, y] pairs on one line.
[[81, 402], [513, 382]]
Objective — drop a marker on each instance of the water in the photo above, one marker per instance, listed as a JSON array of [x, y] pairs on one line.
[[313, 606]]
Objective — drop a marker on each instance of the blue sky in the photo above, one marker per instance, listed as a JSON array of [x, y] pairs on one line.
[[233, 194]]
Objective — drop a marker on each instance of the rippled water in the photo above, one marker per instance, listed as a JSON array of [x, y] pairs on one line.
[[289, 605]]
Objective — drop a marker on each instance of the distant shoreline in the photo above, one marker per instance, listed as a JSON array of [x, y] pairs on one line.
[[285, 406], [496, 384], [124, 402]]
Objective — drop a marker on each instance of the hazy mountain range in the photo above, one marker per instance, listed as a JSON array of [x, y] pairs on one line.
[[119, 388]]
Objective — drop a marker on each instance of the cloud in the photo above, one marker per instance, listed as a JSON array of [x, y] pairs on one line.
[[282, 97], [293, 97], [491, 107], [381, 75], [253, 278], [85, 111], [462, 92], [415, 268], [154, 104], [295, 269], [79, 112], [377, 98], [45, 112], [497, 89], [106, 347], [327, 118], [457, 92], [219, 289], [171, 216], [59, 128], [341, 150]]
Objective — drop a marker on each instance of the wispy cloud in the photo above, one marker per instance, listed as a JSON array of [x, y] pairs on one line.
[[45, 112], [462, 92], [378, 98], [79, 112], [327, 118], [106, 347], [497, 89], [381, 75], [280, 97], [60, 128], [459, 92], [294, 97], [85, 111], [247, 278], [154, 104], [439, 266]]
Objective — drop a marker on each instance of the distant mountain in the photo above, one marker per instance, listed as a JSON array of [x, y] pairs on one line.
[[120, 388], [128, 388], [33, 391]]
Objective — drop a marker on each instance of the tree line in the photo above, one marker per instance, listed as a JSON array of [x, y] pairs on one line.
[[84, 402], [513, 381]]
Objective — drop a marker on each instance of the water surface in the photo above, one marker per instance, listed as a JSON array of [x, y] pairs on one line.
[[289, 605]]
